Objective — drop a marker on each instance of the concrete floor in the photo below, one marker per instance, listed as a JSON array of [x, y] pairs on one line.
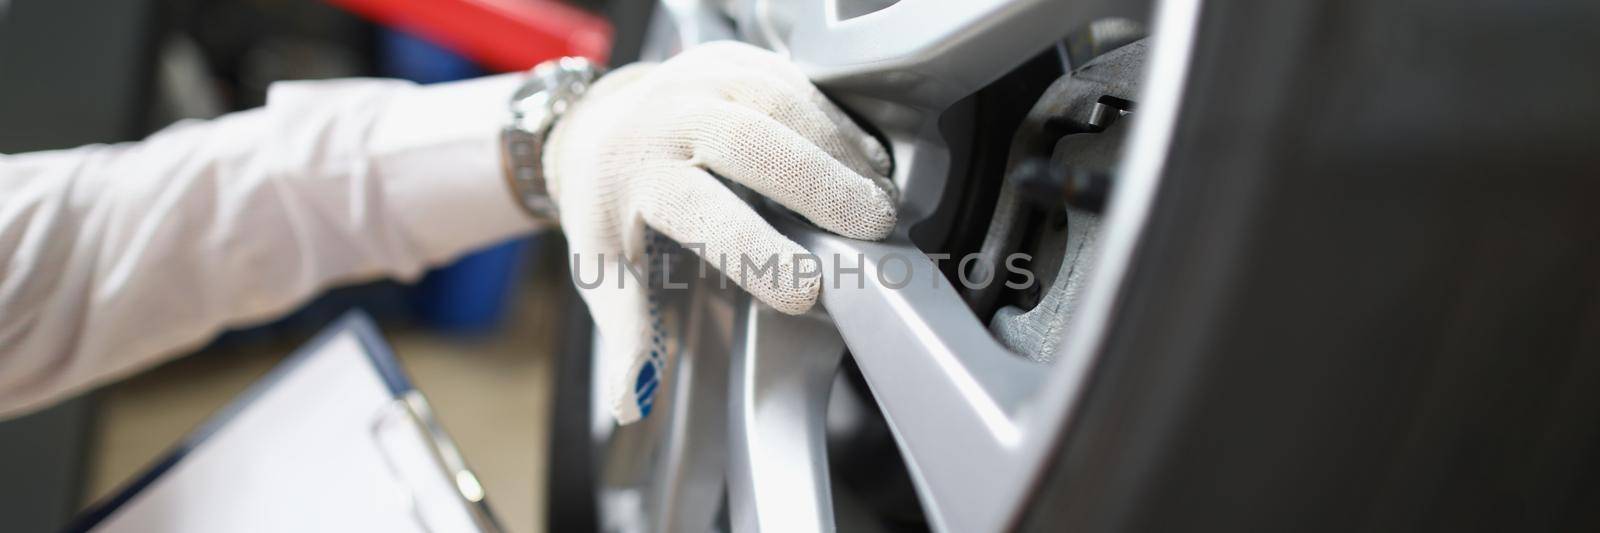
[[492, 394]]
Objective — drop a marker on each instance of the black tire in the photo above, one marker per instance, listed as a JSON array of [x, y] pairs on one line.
[[1368, 296]]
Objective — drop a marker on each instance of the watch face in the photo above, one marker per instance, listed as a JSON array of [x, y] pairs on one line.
[[533, 112], [548, 90]]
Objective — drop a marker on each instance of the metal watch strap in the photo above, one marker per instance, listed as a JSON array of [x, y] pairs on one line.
[[521, 153], [550, 89]]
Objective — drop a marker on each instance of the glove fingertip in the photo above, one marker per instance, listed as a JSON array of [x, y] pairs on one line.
[[874, 219], [625, 413]]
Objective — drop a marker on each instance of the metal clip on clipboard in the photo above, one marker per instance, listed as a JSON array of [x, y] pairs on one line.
[[416, 449]]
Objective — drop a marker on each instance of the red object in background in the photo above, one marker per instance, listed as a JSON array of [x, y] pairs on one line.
[[501, 35]]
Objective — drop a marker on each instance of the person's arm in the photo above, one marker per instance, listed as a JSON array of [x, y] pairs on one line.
[[114, 258]]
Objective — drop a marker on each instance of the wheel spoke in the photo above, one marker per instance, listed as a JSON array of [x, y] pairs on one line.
[[782, 368], [666, 472], [950, 392], [694, 451], [925, 52]]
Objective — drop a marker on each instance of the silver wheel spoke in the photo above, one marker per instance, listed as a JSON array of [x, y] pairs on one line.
[[950, 392], [666, 473], [929, 53], [782, 368], [694, 452]]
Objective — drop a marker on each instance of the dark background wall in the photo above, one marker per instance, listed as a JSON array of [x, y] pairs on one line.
[[71, 72]]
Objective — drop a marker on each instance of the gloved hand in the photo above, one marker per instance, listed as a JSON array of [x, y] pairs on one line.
[[638, 150]]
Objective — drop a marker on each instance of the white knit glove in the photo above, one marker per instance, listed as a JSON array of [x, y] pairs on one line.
[[639, 149]]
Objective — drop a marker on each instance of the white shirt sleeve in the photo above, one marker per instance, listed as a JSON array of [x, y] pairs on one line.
[[114, 258]]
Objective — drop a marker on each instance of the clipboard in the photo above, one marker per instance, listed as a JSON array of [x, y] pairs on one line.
[[335, 438]]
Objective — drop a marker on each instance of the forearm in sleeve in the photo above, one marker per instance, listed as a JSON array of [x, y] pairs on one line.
[[113, 258]]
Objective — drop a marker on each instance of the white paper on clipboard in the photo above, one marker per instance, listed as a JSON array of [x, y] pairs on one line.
[[334, 439]]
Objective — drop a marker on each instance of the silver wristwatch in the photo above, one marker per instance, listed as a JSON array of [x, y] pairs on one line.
[[551, 88]]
